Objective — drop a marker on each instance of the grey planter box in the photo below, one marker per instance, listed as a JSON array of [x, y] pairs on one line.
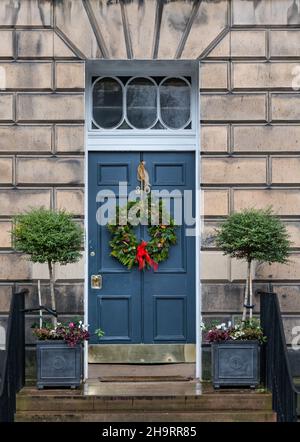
[[58, 365], [236, 363]]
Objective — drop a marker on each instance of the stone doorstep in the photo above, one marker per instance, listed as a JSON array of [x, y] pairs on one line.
[[258, 416], [184, 370], [143, 379], [142, 354]]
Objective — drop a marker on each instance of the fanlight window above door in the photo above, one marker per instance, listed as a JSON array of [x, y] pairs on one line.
[[141, 103]]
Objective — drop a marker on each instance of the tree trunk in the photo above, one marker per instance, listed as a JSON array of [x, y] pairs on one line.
[[40, 303], [245, 300], [250, 291], [52, 294]]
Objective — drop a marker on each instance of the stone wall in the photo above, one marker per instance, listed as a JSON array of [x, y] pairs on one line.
[[250, 144], [250, 130], [41, 144]]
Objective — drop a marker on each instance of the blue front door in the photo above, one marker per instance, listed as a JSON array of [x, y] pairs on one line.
[[134, 306]]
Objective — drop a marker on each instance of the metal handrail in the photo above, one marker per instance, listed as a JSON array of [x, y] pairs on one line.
[[277, 374], [13, 370], [48, 310]]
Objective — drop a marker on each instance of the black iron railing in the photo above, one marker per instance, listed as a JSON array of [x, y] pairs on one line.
[[12, 374], [277, 374]]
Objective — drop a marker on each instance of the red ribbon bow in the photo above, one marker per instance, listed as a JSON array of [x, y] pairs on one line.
[[142, 256]]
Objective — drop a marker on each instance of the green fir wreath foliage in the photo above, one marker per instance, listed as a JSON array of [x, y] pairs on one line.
[[124, 242]]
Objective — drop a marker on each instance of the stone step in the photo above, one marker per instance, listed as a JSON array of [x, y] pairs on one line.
[[121, 370], [206, 402], [149, 416], [119, 379], [151, 354], [144, 402]]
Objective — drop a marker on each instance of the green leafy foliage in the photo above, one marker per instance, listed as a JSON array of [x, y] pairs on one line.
[[254, 235], [48, 236], [73, 333], [248, 330], [99, 333], [124, 242]]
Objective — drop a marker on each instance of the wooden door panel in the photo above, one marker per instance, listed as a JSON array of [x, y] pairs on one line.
[[116, 308], [169, 293]]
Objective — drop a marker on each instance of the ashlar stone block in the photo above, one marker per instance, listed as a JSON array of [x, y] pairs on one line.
[[6, 107], [213, 75], [214, 138], [285, 43], [283, 201], [6, 48], [69, 138], [215, 202], [13, 201], [35, 43], [208, 234], [70, 271], [50, 107], [266, 12], [286, 170], [289, 324], [13, 267], [25, 138], [5, 298], [70, 75], [50, 170], [233, 170], [248, 43], [5, 235], [279, 138], [233, 107], [293, 228], [289, 297], [286, 107], [27, 75], [289, 271], [6, 170], [215, 266], [26, 13], [263, 75], [72, 200]]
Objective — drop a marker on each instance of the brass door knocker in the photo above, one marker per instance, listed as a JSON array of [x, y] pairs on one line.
[[143, 177]]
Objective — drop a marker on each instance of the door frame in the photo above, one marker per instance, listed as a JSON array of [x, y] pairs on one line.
[[135, 141]]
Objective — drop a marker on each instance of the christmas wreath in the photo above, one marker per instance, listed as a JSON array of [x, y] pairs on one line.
[[125, 246]]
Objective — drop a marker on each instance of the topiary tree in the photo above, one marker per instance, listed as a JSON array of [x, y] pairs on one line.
[[253, 235], [48, 236]]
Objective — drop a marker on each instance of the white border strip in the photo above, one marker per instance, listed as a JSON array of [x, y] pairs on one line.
[[93, 143], [86, 248], [198, 240]]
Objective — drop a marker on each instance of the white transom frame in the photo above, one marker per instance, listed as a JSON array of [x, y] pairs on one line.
[[175, 140], [132, 139], [124, 117]]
